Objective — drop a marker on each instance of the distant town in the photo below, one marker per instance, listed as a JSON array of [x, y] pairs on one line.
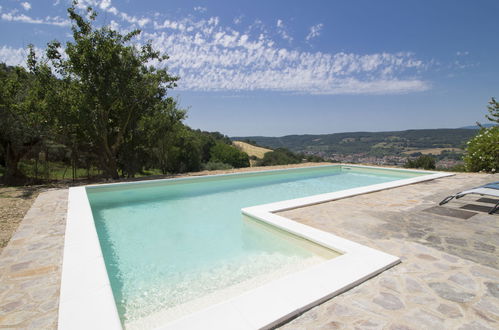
[[391, 160]]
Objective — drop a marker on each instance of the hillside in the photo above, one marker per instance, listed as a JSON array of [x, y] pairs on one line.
[[251, 150], [370, 143]]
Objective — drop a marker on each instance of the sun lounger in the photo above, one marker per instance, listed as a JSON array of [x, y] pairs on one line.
[[490, 189]]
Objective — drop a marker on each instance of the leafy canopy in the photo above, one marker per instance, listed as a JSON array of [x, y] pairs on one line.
[[113, 86]]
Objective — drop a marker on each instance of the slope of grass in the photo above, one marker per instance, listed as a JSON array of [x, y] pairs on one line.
[[251, 150]]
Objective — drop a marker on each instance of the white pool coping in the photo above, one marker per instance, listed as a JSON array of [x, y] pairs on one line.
[[87, 301]]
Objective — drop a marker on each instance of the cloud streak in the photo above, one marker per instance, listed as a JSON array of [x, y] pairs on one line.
[[210, 57], [49, 20], [315, 31]]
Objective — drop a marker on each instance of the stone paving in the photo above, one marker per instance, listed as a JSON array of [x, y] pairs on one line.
[[30, 265], [449, 275], [448, 278]]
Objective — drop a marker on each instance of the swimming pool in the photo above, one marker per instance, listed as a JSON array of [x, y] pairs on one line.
[[175, 247]]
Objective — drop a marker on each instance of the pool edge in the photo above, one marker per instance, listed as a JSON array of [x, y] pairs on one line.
[[88, 302]]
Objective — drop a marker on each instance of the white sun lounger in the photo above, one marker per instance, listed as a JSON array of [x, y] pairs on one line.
[[490, 189]]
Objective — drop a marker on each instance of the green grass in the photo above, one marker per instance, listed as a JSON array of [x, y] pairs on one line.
[[54, 170]]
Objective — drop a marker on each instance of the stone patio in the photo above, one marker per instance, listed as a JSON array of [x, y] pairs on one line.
[[448, 278], [449, 275]]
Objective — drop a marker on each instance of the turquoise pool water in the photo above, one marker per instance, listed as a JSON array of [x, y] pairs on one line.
[[168, 243]]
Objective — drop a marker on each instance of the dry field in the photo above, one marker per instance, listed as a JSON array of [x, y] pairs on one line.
[[251, 150], [434, 151]]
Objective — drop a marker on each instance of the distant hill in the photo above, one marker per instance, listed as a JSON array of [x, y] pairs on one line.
[[477, 127], [371, 143]]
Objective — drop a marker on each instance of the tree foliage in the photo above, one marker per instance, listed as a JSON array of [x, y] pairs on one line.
[[225, 153], [112, 87], [24, 111], [493, 109], [482, 153], [280, 156], [426, 162]]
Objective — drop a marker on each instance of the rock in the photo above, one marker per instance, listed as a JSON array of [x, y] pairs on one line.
[[434, 239], [493, 288], [388, 301], [456, 241], [485, 247], [474, 326], [448, 292], [449, 311], [463, 280]]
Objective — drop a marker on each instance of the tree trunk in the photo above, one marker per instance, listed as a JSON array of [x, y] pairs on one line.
[[12, 175], [109, 166]]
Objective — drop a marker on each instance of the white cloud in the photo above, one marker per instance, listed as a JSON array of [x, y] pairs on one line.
[[49, 20], [209, 56], [104, 4], [200, 9], [462, 53], [26, 5], [282, 31], [238, 20], [314, 31], [16, 56]]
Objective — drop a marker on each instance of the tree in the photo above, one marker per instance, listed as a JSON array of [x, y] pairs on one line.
[[426, 162], [493, 109], [112, 86], [224, 153], [24, 115], [163, 131], [482, 152], [280, 156]]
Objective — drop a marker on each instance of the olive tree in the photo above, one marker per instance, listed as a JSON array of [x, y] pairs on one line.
[[113, 87], [25, 100]]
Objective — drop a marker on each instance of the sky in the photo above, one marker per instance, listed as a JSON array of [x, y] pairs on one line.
[[277, 67]]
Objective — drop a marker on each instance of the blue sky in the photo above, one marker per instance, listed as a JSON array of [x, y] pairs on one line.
[[294, 67]]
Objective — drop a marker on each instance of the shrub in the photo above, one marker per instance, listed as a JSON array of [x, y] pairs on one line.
[[212, 166], [280, 156], [482, 153], [224, 153], [426, 162]]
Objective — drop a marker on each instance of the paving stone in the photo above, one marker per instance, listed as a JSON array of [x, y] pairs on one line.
[[493, 288], [428, 320], [30, 278], [389, 283], [400, 327], [412, 285], [434, 239], [368, 324], [484, 247], [475, 325], [463, 280], [448, 292], [489, 307], [388, 301], [341, 310], [449, 311], [8, 307], [426, 257], [484, 272], [456, 241]]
